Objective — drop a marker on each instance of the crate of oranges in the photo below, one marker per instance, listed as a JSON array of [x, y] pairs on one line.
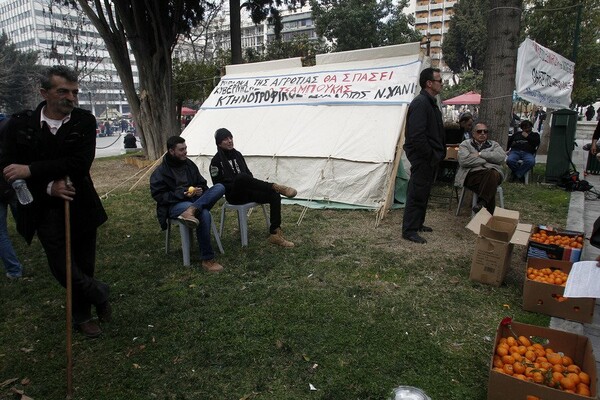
[[544, 288], [545, 242], [531, 362]]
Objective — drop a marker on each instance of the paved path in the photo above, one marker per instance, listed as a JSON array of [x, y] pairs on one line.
[[111, 145]]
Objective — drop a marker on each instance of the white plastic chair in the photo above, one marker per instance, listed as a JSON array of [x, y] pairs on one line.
[[499, 193], [243, 210], [186, 239]]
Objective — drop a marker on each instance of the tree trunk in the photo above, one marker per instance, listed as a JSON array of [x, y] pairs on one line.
[[235, 31], [503, 25]]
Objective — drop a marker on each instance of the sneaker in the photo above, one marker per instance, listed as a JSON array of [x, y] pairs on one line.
[[188, 218], [285, 190], [211, 266], [278, 239]]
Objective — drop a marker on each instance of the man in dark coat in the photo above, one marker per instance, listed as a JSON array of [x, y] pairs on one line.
[[181, 192], [425, 147], [229, 168], [522, 146], [53, 148]]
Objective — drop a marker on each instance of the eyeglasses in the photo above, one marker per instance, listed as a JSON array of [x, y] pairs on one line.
[[437, 80], [482, 131]]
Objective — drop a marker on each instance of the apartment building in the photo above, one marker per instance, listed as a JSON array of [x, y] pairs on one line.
[[432, 19], [63, 35]]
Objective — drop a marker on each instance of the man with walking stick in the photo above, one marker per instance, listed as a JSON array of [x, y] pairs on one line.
[[52, 150]]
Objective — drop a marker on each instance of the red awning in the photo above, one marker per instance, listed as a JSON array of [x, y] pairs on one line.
[[187, 111], [465, 98]]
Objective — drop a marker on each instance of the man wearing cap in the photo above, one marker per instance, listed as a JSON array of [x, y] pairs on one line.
[[229, 168], [480, 167], [522, 146], [181, 193]]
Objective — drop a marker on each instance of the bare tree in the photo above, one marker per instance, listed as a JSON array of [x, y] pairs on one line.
[[148, 29], [503, 26]]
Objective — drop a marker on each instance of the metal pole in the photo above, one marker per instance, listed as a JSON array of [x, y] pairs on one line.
[[69, 300]]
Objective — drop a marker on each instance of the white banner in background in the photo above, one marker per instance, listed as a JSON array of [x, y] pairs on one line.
[[543, 77], [378, 85]]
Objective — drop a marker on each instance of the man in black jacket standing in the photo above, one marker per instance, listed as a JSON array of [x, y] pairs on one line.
[[53, 148], [425, 147], [229, 168]]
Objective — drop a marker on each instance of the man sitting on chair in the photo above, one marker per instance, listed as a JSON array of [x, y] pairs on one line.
[[181, 193], [522, 147], [229, 168], [480, 167]]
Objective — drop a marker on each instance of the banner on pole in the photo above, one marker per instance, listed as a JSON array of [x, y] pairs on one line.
[[543, 77]]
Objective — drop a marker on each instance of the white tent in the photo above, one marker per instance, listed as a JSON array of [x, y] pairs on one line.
[[332, 131]]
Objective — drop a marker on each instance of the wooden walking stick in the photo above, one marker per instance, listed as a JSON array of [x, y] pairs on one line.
[[69, 297]]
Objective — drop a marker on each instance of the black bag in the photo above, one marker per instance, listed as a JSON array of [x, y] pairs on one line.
[[595, 236]]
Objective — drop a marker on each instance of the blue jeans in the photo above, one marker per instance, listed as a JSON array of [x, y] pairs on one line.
[[512, 161], [203, 203], [7, 253]]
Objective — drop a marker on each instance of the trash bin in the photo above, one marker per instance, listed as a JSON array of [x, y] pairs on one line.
[[562, 143]]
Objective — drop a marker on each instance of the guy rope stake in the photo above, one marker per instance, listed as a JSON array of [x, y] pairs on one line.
[[69, 296]]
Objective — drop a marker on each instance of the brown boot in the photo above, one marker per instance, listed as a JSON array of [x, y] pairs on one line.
[[211, 266], [188, 217], [278, 239], [285, 190]]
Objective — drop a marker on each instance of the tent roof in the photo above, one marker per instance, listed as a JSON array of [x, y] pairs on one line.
[[465, 98], [188, 111]]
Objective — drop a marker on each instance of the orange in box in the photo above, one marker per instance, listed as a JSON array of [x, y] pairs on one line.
[[548, 299], [505, 387]]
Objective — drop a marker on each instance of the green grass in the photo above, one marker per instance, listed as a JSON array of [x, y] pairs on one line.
[[352, 309]]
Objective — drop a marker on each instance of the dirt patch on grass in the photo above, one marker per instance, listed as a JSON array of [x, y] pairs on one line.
[[115, 173]]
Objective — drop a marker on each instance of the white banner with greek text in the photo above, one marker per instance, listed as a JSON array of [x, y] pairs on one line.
[[543, 77], [383, 85]]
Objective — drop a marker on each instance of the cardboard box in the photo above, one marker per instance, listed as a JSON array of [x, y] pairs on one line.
[[578, 347], [552, 251], [547, 299], [451, 152], [496, 235]]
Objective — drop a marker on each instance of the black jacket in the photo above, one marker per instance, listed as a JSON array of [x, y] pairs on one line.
[[425, 137], [529, 144], [166, 191], [225, 166], [52, 157]]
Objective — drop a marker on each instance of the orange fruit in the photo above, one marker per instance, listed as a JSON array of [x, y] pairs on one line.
[[573, 368], [558, 368], [567, 383], [508, 370], [574, 377], [567, 361], [539, 378], [554, 358], [530, 355], [508, 360], [524, 341], [583, 389], [584, 378], [502, 351], [511, 341], [529, 397], [518, 368]]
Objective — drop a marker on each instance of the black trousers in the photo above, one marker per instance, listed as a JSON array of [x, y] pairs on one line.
[[86, 290], [421, 178], [484, 182], [247, 189]]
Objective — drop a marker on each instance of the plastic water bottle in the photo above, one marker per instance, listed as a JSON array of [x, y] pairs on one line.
[[23, 194]]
